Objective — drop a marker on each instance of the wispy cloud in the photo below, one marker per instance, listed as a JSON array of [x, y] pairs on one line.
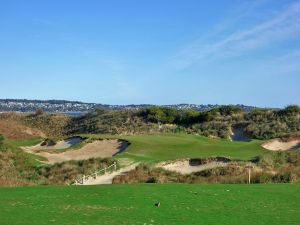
[[281, 26], [115, 70], [286, 63], [292, 55]]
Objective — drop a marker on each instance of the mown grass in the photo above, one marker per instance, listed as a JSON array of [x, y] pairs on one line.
[[134, 204], [153, 148], [26, 142]]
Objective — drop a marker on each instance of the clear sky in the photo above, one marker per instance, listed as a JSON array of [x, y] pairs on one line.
[[157, 51]]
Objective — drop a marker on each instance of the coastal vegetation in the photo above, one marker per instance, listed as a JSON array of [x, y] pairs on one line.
[[219, 122], [153, 134], [19, 168]]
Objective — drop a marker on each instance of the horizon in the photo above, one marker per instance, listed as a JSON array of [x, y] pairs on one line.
[[162, 53], [99, 103]]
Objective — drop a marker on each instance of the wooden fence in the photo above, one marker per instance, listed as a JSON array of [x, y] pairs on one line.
[[94, 175]]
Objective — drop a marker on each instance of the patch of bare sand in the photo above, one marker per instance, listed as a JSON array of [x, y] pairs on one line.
[[187, 166], [108, 178], [64, 144], [281, 145], [96, 149]]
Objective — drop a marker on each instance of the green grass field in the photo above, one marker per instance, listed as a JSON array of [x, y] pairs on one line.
[[134, 204], [26, 142], [155, 148]]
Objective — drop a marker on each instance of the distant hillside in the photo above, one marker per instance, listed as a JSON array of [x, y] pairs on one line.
[[222, 122], [54, 106]]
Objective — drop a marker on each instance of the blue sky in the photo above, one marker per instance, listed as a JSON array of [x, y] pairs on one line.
[[158, 51]]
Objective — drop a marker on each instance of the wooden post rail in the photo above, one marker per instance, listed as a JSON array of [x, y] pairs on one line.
[[94, 175]]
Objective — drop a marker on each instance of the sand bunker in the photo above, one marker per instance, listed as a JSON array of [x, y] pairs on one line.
[[187, 166], [238, 134], [67, 143], [99, 148], [281, 145]]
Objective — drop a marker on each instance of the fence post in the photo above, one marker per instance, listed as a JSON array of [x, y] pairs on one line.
[[84, 177]]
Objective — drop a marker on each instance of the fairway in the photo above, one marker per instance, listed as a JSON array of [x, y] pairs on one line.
[[134, 204], [169, 147], [155, 148], [26, 142]]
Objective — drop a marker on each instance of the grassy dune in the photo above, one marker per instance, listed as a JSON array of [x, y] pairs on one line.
[[134, 204]]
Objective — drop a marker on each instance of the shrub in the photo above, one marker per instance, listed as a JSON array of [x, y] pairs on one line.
[[159, 114], [1, 139], [39, 111], [67, 172], [48, 142]]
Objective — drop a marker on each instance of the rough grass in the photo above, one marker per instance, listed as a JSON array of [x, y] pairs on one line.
[[153, 148], [14, 145], [134, 204], [12, 127]]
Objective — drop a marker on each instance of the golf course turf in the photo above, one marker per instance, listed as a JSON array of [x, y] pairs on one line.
[[135, 204], [212, 204], [154, 148]]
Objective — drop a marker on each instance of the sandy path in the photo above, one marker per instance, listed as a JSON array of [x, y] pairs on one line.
[[99, 148], [108, 178], [184, 167], [278, 145]]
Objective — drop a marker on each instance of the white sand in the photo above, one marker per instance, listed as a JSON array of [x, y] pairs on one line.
[[108, 178], [184, 166], [99, 148], [67, 143], [279, 145]]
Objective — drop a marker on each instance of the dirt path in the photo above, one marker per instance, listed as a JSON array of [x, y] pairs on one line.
[[108, 178], [100, 148]]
